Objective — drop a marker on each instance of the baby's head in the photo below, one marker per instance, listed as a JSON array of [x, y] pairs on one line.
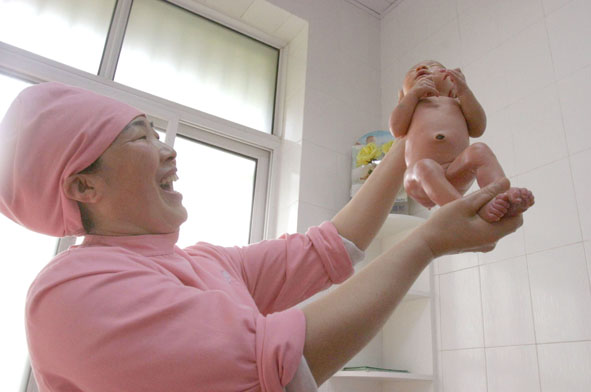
[[427, 67]]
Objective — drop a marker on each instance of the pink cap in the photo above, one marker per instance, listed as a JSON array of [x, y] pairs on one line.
[[51, 131]]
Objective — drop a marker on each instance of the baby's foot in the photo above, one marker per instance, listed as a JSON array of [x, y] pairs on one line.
[[513, 202], [521, 199], [495, 209]]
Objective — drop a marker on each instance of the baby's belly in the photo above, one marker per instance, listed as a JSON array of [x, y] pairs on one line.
[[441, 145]]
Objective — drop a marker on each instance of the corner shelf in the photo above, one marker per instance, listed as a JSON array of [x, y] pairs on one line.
[[416, 294], [383, 376], [396, 224]]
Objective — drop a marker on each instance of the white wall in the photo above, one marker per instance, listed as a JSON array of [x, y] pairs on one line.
[[518, 318], [341, 103]]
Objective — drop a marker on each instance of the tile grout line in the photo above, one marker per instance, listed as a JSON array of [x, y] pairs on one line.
[[582, 241], [440, 335], [546, 14], [570, 154], [483, 334], [520, 345], [531, 305], [509, 38], [587, 264]]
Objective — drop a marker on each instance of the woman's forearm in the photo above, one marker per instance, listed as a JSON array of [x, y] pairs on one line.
[[344, 321], [341, 323], [361, 218]]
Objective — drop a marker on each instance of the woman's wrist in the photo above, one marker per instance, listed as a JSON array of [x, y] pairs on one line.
[[422, 238]]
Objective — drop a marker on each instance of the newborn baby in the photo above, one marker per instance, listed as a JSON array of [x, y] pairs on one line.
[[439, 113]]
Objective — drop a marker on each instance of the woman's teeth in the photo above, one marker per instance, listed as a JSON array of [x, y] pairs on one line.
[[166, 182]]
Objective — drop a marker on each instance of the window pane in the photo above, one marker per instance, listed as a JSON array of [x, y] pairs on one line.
[[175, 54], [9, 89], [217, 188], [24, 253], [72, 32]]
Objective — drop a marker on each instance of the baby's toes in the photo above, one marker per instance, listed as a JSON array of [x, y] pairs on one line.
[[495, 209], [504, 197], [527, 198], [500, 206], [530, 198], [515, 195]]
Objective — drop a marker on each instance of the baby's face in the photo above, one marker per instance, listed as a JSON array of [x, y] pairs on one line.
[[429, 67]]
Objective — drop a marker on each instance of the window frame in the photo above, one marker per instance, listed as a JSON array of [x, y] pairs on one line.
[[209, 129], [116, 35]]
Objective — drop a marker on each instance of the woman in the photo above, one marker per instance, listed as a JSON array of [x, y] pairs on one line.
[[127, 310]]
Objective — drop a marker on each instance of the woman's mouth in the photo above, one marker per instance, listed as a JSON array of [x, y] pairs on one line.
[[166, 182]]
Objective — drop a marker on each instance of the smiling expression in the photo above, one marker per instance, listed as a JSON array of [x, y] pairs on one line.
[[137, 195]]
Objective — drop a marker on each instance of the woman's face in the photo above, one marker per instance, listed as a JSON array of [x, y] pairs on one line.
[[137, 172]]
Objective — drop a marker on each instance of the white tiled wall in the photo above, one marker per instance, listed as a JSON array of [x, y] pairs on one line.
[[561, 296], [464, 370], [506, 291], [342, 101], [517, 318], [461, 310], [565, 366], [512, 369]]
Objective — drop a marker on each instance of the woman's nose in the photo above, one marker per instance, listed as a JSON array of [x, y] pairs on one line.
[[167, 152]]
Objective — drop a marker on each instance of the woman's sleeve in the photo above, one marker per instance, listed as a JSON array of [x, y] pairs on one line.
[[139, 330], [283, 272]]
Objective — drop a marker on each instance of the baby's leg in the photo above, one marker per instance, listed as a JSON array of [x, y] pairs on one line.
[[476, 161], [479, 160], [425, 182]]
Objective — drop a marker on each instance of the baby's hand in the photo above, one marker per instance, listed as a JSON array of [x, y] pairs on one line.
[[424, 87], [458, 79]]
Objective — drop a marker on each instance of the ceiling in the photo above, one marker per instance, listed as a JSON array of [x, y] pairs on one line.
[[376, 8]]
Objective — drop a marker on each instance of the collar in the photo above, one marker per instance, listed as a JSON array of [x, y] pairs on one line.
[[147, 244]]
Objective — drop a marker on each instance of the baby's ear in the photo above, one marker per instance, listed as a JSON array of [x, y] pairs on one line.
[[400, 95]]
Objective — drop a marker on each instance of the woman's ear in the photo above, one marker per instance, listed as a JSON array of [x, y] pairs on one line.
[[400, 95], [82, 188]]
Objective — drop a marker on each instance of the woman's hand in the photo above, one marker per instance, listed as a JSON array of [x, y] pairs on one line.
[[457, 227]]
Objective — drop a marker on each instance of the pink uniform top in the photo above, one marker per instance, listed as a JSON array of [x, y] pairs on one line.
[[136, 313]]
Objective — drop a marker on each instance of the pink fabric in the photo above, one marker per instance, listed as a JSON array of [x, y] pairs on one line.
[[139, 314], [51, 131]]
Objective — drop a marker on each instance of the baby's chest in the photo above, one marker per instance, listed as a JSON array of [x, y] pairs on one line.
[[437, 112]]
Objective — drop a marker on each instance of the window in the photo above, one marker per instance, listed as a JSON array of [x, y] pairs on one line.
[[72, 32], [218, 190], [199, 63], [9, 89], [24, 253]]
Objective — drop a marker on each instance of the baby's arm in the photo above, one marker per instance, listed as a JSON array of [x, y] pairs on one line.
[[402, 113], [473, 111]]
